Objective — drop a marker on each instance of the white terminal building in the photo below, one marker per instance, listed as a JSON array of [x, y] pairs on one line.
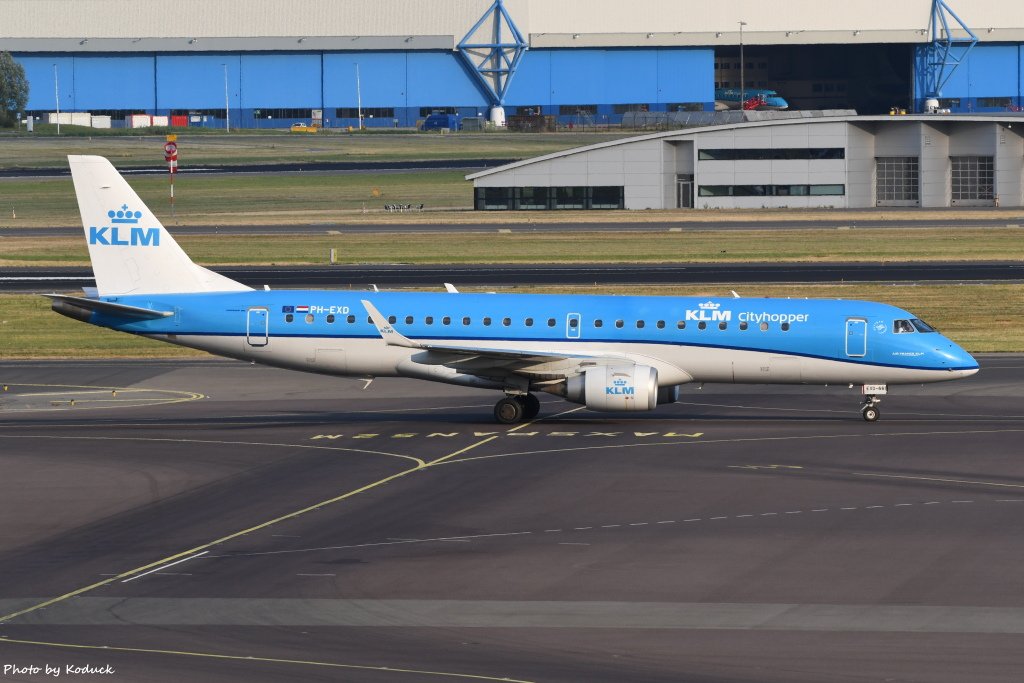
[[826, 162]]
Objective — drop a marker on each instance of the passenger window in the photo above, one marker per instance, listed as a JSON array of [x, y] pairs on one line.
[[369, 320], [309, 318], [429, 320], [744, 326], [785, 327], [598, 323], [551, 322], [574, 323], [351, 319], [506, 321], [901, 327], [661, 324], [487, 322], [529, 322], [639, 324], [702, 325], [466, 321], [764, 327], [289, 317], [330, 318], [619, 324], [392, 319], [723, 325], [408, 320], [446, 320], [681, 325]]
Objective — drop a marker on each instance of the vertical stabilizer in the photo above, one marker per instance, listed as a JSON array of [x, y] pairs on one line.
[[130, 250]]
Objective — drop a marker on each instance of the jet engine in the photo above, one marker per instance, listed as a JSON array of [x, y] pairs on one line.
[[618, 388]]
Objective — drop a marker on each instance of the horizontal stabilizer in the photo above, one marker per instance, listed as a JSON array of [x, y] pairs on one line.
[[76, 307]]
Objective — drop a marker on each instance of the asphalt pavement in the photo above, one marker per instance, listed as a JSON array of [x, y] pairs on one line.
[[218, 521]]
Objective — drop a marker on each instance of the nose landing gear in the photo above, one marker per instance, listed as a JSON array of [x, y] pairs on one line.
[[869, 408]]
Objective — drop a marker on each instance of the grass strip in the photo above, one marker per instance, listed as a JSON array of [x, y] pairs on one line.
[[691, 246]]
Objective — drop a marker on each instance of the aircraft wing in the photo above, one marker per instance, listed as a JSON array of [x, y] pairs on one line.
[[482, 360]]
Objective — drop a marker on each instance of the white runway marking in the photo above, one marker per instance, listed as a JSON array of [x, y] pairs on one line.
[[581, 529], [165, 566]]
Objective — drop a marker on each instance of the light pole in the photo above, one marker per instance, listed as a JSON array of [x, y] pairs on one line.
[[742, 64], [227, 102], [56, 96], [359, 99]]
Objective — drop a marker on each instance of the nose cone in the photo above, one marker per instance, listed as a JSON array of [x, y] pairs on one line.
[[958, 362]]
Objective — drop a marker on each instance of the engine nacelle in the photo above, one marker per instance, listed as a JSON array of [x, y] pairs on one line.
[[615, 388]]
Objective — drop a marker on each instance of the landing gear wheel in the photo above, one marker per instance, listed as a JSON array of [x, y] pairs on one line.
[[530, 404], [870, 413], [508, 411]]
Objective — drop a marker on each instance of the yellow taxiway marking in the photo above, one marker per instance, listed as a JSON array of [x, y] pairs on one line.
[[420, 465], [948, 481], [265, 660], [72, 391]]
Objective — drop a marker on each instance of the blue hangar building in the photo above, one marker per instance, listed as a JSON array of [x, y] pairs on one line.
[[270, 63]]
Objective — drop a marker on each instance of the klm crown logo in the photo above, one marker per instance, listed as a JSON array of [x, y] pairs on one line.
[[114, 235], [123, 215], [709, 306], [620, 382]]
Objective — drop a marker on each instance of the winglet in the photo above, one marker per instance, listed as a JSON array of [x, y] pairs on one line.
[[389, 334], [450, 288]]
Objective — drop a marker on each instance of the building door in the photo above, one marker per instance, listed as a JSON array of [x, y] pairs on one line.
[[684, 191], [257, 325], [572, 326], [856, 337]]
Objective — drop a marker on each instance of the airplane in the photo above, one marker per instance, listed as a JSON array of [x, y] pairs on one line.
[[609, 353], [751, 98]]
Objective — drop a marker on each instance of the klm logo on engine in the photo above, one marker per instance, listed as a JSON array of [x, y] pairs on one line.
[[123, 232], [620, 387], [708, 312]]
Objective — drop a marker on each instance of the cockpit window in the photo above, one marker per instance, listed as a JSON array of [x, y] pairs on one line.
[[901, 327], [922, 326]]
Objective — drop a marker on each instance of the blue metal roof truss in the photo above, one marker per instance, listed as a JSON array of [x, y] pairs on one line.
[[946, 51], [494, 58]]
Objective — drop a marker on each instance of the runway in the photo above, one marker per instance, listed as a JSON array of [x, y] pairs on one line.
[[217, 521], [507, 275]]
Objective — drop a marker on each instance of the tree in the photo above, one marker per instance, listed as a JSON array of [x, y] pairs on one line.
[[13, 90]]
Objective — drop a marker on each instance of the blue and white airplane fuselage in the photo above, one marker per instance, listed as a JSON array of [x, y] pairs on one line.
[[612, 353]]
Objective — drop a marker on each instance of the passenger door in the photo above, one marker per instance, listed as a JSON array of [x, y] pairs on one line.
[[856, 337], [257, 327]]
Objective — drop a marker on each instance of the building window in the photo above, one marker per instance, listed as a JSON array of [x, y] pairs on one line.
[[973, 179], [607, 197], [533, 198], [896, 181], [368, 113], [493, 198], [427, 111], [995, 102], [570, 197], [780, 154], [577, 109], [771, 190]]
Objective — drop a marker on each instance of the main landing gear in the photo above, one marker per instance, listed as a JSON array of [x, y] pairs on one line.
[[869, 408], [513, 409]]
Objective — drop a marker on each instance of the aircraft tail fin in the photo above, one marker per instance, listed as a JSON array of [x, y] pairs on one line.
[[130, 250]]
